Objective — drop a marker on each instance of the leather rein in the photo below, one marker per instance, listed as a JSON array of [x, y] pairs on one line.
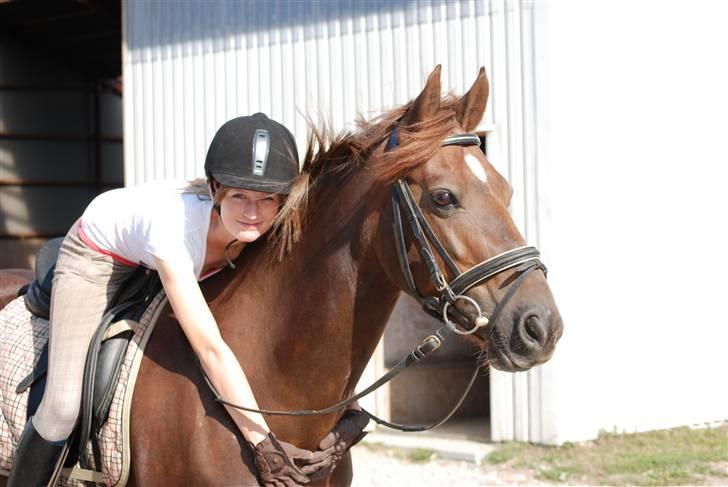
[[522, 259]]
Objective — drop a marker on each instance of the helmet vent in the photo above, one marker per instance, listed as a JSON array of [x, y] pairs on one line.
[[261, 146]]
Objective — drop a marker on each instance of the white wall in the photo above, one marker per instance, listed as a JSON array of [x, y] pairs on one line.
[[633, 110]]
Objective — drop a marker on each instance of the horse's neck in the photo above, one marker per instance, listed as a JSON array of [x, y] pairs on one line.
[[312, 321]]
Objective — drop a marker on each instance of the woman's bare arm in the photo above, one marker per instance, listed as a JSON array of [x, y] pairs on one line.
[[219, 362]]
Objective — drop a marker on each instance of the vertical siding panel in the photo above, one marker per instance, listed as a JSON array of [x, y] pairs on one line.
[[531, 191], [497, 143], [241, 60], [374, 66], [188, 101], [387, 57], [348, 54], [451, 75], [439, 29], [274, 70], [333, 46], [516, 167], [231, 69], [299, 63], [286, 68], [483, 51], [148, 109], [361, 54], [174, 94], [424, 27], [310, 63], [413, 45], [251, 72], [168, 92], [322, 100], [263, 69], [501, 384], [407, 51]]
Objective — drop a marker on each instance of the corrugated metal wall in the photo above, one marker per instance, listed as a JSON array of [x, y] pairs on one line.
[[190, 66]]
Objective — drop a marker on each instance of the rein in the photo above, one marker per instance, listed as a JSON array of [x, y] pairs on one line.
[[522, 259]]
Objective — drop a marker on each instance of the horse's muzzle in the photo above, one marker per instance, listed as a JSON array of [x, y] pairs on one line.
[[527, 341]]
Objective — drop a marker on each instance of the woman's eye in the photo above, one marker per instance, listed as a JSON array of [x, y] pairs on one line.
[[443, 198]]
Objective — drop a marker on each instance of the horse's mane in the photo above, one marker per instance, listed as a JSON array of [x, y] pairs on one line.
[[331, 154]]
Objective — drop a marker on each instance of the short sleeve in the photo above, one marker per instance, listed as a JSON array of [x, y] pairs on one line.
[[166, 239]]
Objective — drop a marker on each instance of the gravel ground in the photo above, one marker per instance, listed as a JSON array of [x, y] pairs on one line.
[[386, 468]]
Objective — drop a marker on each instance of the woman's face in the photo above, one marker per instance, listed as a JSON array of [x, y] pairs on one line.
[[248, 214]]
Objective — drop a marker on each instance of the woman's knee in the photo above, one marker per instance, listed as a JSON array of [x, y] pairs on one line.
[[56, 418]]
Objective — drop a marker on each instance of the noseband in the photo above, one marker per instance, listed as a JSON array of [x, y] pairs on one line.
[[525, 259], [522, 259]]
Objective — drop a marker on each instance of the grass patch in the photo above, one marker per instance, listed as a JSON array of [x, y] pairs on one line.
[[418, 455], [669, 457], [421, 455]]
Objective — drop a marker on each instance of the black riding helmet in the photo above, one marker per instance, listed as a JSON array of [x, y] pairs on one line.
[[255, 153]]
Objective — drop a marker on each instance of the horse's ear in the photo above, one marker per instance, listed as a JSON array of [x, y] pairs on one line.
[[472, 104], [427, 103]]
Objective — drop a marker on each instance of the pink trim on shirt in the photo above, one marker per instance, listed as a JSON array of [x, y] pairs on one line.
[[92, 245], [211, 272]]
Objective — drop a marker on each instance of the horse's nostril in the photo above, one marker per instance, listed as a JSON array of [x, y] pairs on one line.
[[533, 331]]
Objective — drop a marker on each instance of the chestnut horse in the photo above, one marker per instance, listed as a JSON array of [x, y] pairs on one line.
[[304, 325]]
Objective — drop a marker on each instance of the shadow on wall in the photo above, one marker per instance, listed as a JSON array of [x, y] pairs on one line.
[[251, 21], [48, 152]]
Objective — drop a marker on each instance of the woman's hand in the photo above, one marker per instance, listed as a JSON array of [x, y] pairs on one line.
[[349, 430], [275, 462]]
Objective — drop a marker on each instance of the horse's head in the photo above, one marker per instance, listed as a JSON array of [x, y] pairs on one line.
[[505, 299]]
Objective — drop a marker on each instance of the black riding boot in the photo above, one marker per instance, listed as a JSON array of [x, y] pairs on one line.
[[35, 459]]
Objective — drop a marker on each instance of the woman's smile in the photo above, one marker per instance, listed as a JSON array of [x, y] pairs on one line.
[[248, 225]]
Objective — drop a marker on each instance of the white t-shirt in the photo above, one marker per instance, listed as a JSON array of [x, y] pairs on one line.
[[151, 220]]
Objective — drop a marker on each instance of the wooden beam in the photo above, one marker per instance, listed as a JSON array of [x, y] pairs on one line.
[[59, 137], [59, 184]]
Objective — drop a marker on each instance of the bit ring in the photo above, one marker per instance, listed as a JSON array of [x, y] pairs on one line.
[[480, 321]]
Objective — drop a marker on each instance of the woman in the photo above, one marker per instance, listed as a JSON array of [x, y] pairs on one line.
[[251, 165]]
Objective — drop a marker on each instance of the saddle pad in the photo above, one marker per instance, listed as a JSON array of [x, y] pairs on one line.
[[23, 336]]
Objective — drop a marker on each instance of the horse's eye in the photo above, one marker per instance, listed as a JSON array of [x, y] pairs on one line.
[[443, 198]]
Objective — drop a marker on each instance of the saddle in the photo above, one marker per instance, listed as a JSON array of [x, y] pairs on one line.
[[106, 351]]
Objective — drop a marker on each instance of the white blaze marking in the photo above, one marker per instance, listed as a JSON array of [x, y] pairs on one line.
[[476, 167]]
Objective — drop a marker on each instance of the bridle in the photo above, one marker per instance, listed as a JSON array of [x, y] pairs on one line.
[[450, 292], [522, 259]]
